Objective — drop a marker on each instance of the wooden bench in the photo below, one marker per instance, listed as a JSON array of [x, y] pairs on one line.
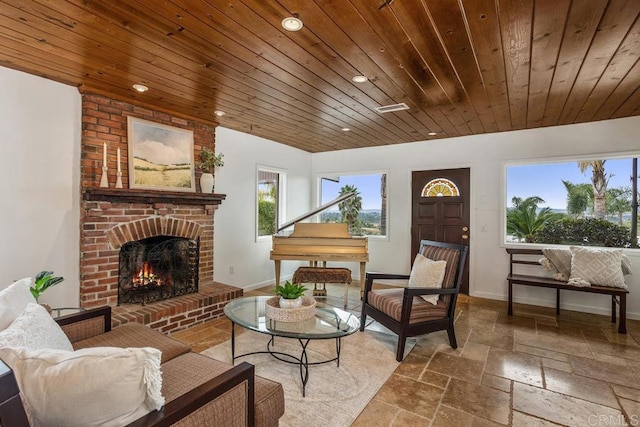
[[523, 257]]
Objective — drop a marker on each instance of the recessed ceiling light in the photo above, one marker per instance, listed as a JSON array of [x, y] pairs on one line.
[[292, 24], [359, 79], [140, 88], [345, 129], [219, 113], [432, 133]]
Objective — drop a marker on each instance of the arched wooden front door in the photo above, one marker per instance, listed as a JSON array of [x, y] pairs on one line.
[[440, 210]]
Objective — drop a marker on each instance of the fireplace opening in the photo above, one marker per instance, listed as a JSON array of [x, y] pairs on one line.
[[157, 268]]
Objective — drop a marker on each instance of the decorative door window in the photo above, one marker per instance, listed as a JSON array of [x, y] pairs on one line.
[[440, 187]]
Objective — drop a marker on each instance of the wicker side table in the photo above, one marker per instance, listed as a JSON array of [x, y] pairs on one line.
[[322, 275]]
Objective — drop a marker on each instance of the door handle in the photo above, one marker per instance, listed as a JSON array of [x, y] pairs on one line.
[[465, 237], [465, 228]]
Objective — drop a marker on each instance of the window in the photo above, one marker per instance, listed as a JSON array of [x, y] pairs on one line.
[[269, 200], [582, 202], [366, 212]]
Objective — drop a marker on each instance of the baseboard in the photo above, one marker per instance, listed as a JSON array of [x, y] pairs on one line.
[[262, 284], [604, 310]]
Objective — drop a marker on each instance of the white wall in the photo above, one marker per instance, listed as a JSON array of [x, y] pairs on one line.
[[40, 182], [235, 244], [485, 155]]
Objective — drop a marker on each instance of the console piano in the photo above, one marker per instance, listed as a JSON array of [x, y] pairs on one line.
[[320, 242]]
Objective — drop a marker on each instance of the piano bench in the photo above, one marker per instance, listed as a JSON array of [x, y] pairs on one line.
[[324, 275]]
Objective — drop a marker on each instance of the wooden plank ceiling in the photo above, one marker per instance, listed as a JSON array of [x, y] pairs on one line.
[[462, 66]]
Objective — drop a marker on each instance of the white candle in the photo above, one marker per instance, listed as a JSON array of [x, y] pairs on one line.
[[119, 159], [104, 155]]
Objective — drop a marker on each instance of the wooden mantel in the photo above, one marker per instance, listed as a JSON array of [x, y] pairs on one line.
[[127, 195]]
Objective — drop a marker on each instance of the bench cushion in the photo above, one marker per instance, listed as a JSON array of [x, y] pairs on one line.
[[136, 335]]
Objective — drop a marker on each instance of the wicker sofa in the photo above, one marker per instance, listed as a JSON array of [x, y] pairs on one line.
[[198, 390]]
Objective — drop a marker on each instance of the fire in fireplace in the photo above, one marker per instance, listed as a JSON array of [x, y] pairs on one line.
[[157, 268]]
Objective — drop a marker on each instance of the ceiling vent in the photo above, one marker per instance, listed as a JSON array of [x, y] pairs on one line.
[[391, 108]]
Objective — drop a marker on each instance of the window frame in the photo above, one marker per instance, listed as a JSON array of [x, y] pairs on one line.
[[281, 196], [334, 175], [504, 203]]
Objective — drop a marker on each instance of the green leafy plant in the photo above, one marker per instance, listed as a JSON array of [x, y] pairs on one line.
[[209, 160], [43, 281], [585, 231], [290, 290]]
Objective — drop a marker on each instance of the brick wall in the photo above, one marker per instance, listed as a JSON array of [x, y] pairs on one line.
[[104, 225]]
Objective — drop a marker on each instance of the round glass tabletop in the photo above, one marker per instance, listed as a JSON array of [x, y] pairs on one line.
[[328, 322]]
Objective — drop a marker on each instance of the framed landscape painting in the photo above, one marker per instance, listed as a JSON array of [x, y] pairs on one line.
[[160, 156]]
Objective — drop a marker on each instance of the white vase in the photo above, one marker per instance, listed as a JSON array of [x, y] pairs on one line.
[[290, 303], [206, 183]]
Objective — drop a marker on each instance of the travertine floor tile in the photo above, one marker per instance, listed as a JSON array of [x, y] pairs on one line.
[[457, 367], [627, 392], [558, 408], [435, 378], [376, 414], [514, 366], [475, 351], [557, 344], [447, 417], [548, 354], [556, 364], [478, 400], [409, 419], [412, 366], [603, 371], [498, 383], [413, 396], [580, 387], [520, 419], [492, 339]]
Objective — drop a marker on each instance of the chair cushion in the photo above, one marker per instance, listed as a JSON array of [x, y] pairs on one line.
[[389, 301], [449, 255], [190, 370], [136, 335], [427, 273]]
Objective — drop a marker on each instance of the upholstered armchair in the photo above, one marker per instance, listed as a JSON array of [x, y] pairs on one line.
[[404, 311]]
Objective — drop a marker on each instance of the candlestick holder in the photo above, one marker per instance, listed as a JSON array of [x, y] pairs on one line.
[[119, 180], [104, 180]]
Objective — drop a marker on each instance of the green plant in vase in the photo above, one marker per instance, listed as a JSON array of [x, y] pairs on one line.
[[209, 161], [43, 281], [290, 294]]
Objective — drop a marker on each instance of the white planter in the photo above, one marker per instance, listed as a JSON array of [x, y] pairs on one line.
[[290, 303], [206, 183]]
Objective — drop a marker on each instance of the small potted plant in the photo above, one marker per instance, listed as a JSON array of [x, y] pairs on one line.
[[43, 281], [209, 161], [290, 294]]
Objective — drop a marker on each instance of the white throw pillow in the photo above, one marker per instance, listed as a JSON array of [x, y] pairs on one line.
[[427, 273], [13, 300], [590, 266], [34, 329], [98, 386]]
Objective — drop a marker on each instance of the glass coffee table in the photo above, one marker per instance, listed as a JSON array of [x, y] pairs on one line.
[[328, 323]]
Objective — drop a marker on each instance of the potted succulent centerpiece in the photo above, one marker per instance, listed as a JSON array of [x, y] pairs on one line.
[[209, 161], [290, 294]]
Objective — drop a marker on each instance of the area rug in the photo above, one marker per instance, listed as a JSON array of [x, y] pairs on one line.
[[334, 395]]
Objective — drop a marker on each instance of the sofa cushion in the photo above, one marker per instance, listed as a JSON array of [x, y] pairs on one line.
[[136, 335], [34, 329], [13, 300], [91, 387], [188, 371]]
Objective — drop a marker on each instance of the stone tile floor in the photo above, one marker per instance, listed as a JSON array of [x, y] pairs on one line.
[[530, 369]]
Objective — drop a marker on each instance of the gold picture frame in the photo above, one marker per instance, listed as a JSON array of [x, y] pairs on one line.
[[160, 156]]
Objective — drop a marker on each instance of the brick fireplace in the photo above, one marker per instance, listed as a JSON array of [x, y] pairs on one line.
[[111, 218]]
